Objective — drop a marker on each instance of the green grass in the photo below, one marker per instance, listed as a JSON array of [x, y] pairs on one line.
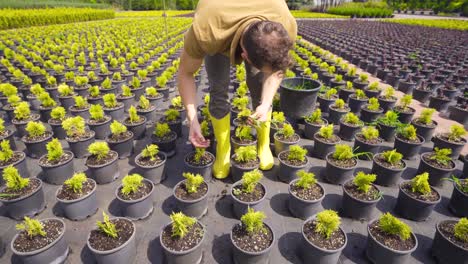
[[438, 23], [23, 4], [153, 13], [307, 14]]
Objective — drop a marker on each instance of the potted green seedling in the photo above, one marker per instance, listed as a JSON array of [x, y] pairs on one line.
[[243, 136], [81, 84], [21, 196], [248, 193], [36, 139], [77, 197], [450, 244], [161, 82], [325, 141], [112, 107], [388, 99], [323, 238], [93, 79], [291, 161], [239, 104], [371, 111], [135, 123], [337, 82], [107, 87], [66, 96], [313, 122], [57, 115], [78, 137], [337, 110], [357, 100], [40, 242], [454, 140], [102, 163], [388, 125], [200, 162], [438, 164], [8, 157], [120, 140], [99, 122], [252, 239], [117, 80], [362, 82], [176, 103], [244, 159], [134, 196], [13, 101], [182, 239], [146, 109], [151, 164], [424, 124], [119, 234], [22, 116], [459, 197], [350, 124], [165, 138], [137, 87], [56, 165], [152, 94], [172, 118], [277, 121], [81, 107], [285, 137], [94, 95], [7, 134], [341, 164], [368, 140], [305, 195], [46, 106], [416, 198], [360, 196], [389, 228], [326, 99], [191, 195], [407, 142], [388, 166], [405, 112], [126, 97]]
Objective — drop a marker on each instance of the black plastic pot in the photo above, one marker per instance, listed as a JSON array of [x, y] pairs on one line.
[[136, 209], [243, 256], [386, 104], [57, 130], [138, 129], [355, 208], [321, 149], [193, 255], [237, 171], [387, 133], [407, 149], [45, 113], [445, 251], [54, 252], [67, 101], [287, 172], [310, 129], [302, 208], [149, 114], [458, 202], [369, 116], [59, 173], [425, 132], [455, 147], [421, 95], [338, 175], [436, 175], [281, 145], [345, 94], [406, 87], [459, 114], [156, 173], [127, 101], [80, 208], [21, 125], [28, 205], [193, 208], [166, 146], [80, 147], [115, 113], [362, 146], [413, 209], [356, 104], [101, 130], [36, 149], [204, 170], [439, 104], [240, 207], [386, 176], [372, 93], [10, 138], [20, 165], [314, 254], [124, 148], [104, 173], [379, 253], [347, 132], [334, 115], [406, 117], [324, 104], [304, 99], [84, 113], [176, 126]]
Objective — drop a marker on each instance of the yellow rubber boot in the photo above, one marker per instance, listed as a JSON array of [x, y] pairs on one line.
[[263, 145], [222, 131]]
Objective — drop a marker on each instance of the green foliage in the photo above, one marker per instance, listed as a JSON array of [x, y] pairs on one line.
[[246, 154], [240, 102], [326, 131], [74, 126], [297, 153], [456, 132], [126, 91], [107, 227], [33, 227], [133, 115], [65, 90], [408, 132], [110, 101], [96, 112], [80, 102], [46, 100], [306, 179], [405, 101], [117, 128], [364, 181], [13, 180], [253, 221], [58, 113], [426, 116], [373, 86], [393, 226], [14, 100], [244, 132], [343, 152], [461, 229], [338, 78], [363, 78], [2, 126], [150, 151], [35, 129], [135, 83], [389, 93], [94, 91], [162, 130], [360, 94], [328, 222], [181, 224], [75, 183], [22, 111], [340, 103], [205, 129], [392, 156], [351, 118], [330, 93], [151, 92], [278, 118], [420, 184], [99, 149], [315, 117], [81, 80], [199, 153], [192, 182], [373, 104], [177, 102], [106, 84], [131, 183], [357, 9], [441, 156], [6, 153], [287, 131], [144, 103], [250, 180], [461, 184], [445, 23], [54, 150], [370, 132], [390, 119]]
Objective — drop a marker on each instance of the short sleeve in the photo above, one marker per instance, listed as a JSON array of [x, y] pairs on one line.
[[192, 46]]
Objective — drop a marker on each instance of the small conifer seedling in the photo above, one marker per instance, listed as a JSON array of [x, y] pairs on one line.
[[6, 154], [33, 227], [393, 226], [13, 180], [58, 113], [327, 222], [99, 149], [250, 180], [315, 117], [252, 221], [54, 150], [297, 153], [392, 156], [131, 183], [370, 132], [74, 126], [162, 130], [35, 129], [364, 181], [192, 182], [461, 229], [22, 111], [75, 183], [245, 154], [107, 227], [306, 179], [456, 133], [110, 101], [96, 112], [117, 128], [150, 151], [420, 184], [373, 104], [181, 224], [326, 131]]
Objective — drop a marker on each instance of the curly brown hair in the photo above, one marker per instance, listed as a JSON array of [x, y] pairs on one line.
[[267, 43]]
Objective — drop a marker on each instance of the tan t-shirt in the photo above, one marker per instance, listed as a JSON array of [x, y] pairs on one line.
[[218, 25]]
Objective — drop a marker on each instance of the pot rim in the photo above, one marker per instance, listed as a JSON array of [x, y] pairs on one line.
[[51, 134], [135, 124], [18, 162], [234, 162], [421, 201], [34, 117], [9, 134], [275, 136], [388, 248], [444, 237], [357, 139], [79, 199], [173, 138], [190, 201], [185, 251], [350, 168], [325, 122], [110, 251], [161, 154], [239, 182], [107, 118], [40, 250], [120, 141], [455, 186], [292, 166], [395, 170], [363, 108], [138, 200], [23, 197], [304, 90], [362, 201], [59, 164], [321, 141], [254, 142], [93, 134], [259, 252], [429, 127], [119, 106], [105, 164], [454, 166], [411, 144], [453, 143], [319, 248], [303, 200], [199, 167]]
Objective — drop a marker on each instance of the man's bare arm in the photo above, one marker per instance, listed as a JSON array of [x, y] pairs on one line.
[[186, 83]]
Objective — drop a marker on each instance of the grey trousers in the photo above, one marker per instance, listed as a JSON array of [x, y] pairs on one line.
[[218, 67]]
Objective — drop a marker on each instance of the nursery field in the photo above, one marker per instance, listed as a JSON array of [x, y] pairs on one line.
[[381, 128]]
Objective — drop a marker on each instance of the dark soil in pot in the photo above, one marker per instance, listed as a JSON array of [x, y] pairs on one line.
[[25, 243], [442, 141], [121, 143], [202, 167], [105, 170], [183, 250], [251, 248], [274, 127], [36, 146], [387, 174], [138, 128], [79, 144], [238, 168], [138, 204], [311, 128], [323, 146], [339, 171], [437, 171], [415, 206], [101, 128], [288, 168], [409, 148], [405, 115], [28, 201], [153, 170], [357, 204], [80, 205], [236, 142], [369, 116], [446, 247], [167, 144], [242, 201], [192, 204], [57, 172], [305, 202], [283, 143]]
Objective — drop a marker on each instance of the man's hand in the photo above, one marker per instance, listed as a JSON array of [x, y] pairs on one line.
[[196, 136], [261, 113]]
